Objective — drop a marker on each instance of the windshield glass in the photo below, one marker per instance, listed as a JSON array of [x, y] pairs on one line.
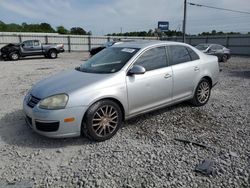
[[202, 46], [109, 60]]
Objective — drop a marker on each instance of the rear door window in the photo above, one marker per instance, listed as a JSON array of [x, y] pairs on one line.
[[179, 54]]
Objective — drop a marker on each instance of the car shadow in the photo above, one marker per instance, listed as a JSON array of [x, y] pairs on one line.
[[151, 114], [15, 131], [29, 58]]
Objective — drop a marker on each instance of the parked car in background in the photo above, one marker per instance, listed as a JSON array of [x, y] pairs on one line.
[[94, 51], [116, 84], [31, 48], [220, 51]]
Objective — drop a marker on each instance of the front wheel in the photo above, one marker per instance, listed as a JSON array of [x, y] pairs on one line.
[[102, 120], [202, 93], [224, 58], [14, 56]]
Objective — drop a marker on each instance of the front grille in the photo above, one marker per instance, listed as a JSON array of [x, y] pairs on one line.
[[33, 101], [47, 126]]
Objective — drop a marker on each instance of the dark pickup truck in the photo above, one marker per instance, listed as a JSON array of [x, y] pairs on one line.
[[30, 48]]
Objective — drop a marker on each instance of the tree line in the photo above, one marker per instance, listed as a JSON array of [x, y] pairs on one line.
[[41, 28], [47, 28], [171, 33]]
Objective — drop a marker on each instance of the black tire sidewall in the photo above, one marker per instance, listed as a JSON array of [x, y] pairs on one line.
[[87, 121], [224, 58]]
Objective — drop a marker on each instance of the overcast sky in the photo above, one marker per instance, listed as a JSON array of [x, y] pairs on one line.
[[108, 16]]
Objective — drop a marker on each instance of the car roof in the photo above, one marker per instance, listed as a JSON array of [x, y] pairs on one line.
[[209, 44], [144, 43]]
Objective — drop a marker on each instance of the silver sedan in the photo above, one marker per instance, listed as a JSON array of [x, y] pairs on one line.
[[116, 84]]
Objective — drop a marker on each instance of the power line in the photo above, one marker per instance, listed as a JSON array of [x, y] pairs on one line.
[[218, 8]]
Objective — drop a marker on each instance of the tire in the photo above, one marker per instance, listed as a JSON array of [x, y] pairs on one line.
[[202, 93], [52, 54], [102, 120], [14, 56], [224, 58]]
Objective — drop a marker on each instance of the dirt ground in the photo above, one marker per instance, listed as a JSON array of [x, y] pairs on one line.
[[144, 153]]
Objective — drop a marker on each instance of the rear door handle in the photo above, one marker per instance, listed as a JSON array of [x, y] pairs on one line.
[[196, 68], [167, 76]]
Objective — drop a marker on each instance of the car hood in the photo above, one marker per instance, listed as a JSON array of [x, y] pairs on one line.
[[65, 82], [10, 45]]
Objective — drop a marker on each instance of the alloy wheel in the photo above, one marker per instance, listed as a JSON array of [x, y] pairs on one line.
[[53, 55], [203, 92], [14, 56], [105, 120]]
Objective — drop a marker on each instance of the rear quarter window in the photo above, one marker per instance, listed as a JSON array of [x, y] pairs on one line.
[[194, 56]]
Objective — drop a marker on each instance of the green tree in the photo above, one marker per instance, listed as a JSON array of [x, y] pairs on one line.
[[77, 31], [45, 27], [62, 30]]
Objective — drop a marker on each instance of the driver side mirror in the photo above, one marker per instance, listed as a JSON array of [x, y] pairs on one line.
[[136, 69]]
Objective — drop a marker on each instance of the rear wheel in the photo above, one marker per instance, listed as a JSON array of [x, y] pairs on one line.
[[102, 120], [202, 93], [14, 56], [52, 54], [224, 58]]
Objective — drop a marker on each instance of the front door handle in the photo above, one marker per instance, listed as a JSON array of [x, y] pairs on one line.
[[167, 76], [196, 68]]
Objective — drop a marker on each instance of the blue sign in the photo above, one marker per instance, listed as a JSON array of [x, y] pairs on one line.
[[163, 25]]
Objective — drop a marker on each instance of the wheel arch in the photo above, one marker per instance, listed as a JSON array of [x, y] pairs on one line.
[[118, 102], [209, 79], [50, 49]]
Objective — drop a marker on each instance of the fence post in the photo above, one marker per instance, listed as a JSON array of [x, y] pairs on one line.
[[20, 38], [190, 41], [69, 44], [227, 41], [206, 39], [46, 39], [89, 42], [108, 39]]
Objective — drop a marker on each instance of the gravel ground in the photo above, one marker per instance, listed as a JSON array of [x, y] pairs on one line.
[[144, 153]]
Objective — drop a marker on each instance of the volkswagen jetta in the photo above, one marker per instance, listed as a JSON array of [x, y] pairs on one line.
[[116, 84]]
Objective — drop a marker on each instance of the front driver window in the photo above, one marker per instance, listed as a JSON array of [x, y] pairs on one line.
[[28, 43], [153, 59]]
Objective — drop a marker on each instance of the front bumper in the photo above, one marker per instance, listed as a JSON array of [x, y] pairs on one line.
[[61, 50], [50, 123], [3, 55]]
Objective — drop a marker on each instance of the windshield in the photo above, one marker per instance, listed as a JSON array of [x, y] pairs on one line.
[[202, 46], [109, 60]]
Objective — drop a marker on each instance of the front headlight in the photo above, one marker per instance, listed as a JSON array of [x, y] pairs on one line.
[[54, 102]]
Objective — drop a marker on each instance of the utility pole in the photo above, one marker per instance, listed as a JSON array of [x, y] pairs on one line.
[[184, 22]]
